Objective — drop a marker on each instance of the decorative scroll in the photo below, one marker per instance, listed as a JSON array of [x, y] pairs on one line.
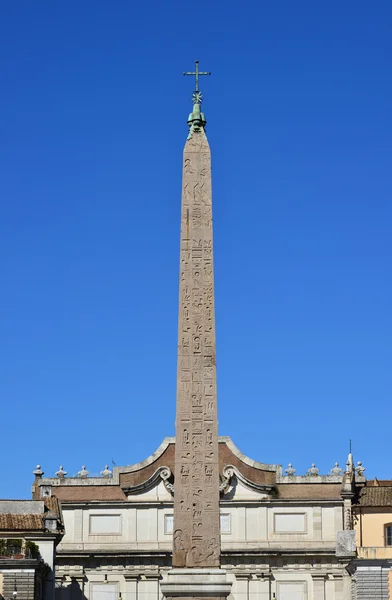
[[161, 474], [196, 539]]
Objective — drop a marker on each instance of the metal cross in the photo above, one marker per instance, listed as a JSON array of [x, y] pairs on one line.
[[196, 72]]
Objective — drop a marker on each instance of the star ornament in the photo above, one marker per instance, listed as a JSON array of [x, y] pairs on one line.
[[197, 97]]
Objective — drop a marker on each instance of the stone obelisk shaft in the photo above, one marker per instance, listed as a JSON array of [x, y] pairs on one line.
[[196, 541]]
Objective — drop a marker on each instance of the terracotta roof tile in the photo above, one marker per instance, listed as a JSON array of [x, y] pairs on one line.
[[310, 491], [31, 522], [13, 522], [375, 496]]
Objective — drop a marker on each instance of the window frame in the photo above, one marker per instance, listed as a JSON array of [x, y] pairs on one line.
[[303, 531], [228, 516], [388, 535], [113, 533], [168, 518]]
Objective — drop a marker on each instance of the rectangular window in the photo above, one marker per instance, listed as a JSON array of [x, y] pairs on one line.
[[168, 523], [290, 523], [225, 523], [105, 524], [388, 535]]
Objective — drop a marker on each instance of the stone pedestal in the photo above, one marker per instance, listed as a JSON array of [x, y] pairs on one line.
[[206, 584]]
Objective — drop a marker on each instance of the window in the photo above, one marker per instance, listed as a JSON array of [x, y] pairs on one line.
[[168, 522], [388, 535], [225, 523]]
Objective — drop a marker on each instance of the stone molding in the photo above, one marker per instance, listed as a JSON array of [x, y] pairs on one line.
[[196, 583], [307, 478], [117, 471], [230, 471], [161, 474], [164, 474]]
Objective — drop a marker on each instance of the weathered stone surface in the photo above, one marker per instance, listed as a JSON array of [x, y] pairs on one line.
[[345, 543], [196, 500]]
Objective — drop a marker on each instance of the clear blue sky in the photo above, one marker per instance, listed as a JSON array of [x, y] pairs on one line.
[[93, 115]]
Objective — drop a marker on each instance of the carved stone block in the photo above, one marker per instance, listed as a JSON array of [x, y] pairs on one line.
[[196, 499]]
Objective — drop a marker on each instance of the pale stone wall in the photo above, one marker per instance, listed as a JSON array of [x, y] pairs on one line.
[[306, 570], [141, 525], [46, 549]]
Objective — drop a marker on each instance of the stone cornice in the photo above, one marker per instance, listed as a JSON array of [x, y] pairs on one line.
[[228, 549], [114, 480], [117, 471], [224, 502]]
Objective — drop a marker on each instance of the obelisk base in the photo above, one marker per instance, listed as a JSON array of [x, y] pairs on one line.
[[206, 584]]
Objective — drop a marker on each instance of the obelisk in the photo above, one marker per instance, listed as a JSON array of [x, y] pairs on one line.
[[196, 538]]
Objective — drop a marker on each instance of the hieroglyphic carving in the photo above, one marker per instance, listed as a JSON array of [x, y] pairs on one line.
[[196, 540]]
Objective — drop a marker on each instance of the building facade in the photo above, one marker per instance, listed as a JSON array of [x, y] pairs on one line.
[[372, 570], [29, 533], [282, 535]]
